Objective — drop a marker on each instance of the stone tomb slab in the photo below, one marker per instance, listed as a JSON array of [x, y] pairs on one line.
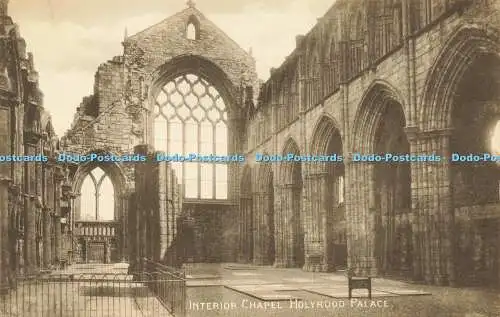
[[344, 293], [263, 293], [402, 291], [240, 267], [301, 280], [202, 276], [246, 282], [245, 274], [267, 288]]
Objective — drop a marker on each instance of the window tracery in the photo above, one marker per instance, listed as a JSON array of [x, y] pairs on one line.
[[190, 117], [97, 197]]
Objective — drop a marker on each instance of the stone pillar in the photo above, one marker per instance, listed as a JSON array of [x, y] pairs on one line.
[[433, 211], [29, 235], [124, 227], [417, 223], [47, 256], [282, 210], [5, 242], [261, 228], [246, 228], [58, 237], [59, 177], [317, 224], [361, 217], [289, 226]]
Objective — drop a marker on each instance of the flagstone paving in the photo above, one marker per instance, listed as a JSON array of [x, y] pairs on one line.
[[294, 293]]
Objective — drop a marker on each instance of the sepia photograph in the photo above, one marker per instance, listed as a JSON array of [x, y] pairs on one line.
[[250, 158]]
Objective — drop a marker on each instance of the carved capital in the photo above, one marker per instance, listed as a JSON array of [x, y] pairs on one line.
[[5, 180]]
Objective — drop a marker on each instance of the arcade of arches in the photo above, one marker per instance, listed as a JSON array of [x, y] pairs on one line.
[[388, 80]]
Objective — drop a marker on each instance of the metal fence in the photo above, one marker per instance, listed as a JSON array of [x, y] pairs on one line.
[[96, 295]]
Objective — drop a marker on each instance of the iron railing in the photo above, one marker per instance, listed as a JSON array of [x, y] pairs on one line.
[[168, 284], [96, 295]]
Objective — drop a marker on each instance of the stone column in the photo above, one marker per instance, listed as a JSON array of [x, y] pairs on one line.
[[289, 226], [361, 214], [282, 234], [417, 223], [5, 242], [59, 177], [316, 224], [47, 256], [246, 224], [29, 235], [261, 227], [433, 211]]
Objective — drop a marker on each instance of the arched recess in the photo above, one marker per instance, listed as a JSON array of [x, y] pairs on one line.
[[290, 250], [357, 40], [464, 46], [331, 60], [381, 196], [313, 71], [461, 106], [326, 194], [264, 251], [101, 232], [246, 216]]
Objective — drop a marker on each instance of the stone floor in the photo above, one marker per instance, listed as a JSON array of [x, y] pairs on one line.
[[242, 290], [222, 290]]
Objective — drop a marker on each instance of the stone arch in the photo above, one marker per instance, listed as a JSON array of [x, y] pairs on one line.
[[193, 99], [264, 216], [370, 112], [121, 189], [197, 65], [381, 192], [246, 216], [326, 194], [289, 218], [116, 174], [324, 130], [465, 44], [286, 171], [459, 108]]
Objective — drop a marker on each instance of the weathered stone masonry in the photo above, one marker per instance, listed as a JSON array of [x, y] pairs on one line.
[[371, 76], [383, 76], [32, 194]]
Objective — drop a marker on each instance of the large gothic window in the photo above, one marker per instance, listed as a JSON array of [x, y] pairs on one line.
[[97, 197], [191, 117]]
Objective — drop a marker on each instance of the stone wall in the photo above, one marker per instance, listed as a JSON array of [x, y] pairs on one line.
[[154, 216], [336, 84], [32, 193]]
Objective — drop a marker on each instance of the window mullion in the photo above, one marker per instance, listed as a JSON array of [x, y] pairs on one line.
[[183, 139], [214, 176], [96, 202], [198, 150]]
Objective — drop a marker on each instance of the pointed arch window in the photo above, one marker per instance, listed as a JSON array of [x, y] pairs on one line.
[[193, 28], [190, 117], [97, 197], [191, 31]]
